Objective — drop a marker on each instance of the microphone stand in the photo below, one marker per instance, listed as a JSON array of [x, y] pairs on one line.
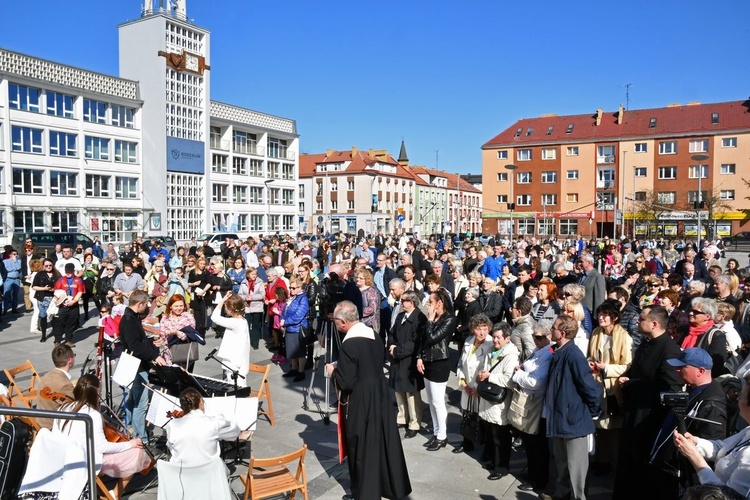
[[235, 374]]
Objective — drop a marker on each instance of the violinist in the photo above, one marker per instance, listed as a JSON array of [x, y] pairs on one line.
[[193, 438], [58, 383]]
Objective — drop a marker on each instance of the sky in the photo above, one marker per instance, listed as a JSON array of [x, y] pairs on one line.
[[444, 76]]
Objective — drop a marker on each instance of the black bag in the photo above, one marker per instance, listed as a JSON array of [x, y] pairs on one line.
[[471, 424], [14, 441], [306, 335], [492, 392]]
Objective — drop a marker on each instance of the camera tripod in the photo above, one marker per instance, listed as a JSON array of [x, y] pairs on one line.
[[331, 344]]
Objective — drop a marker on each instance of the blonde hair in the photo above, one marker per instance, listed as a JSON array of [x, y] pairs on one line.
[[577, 308]]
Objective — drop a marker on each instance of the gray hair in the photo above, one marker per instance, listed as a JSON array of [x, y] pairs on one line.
[[705, 305], [473, 292], [410, 295], [558, 266], [407, 256], [272, 271], [724, 278], [502, 327], [457, 269], [346, 311], [575, 290], [697, 286], [587, 257], [398, 283], [541, 329]]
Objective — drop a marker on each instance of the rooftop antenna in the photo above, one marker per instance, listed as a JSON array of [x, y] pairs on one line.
[[627, 95], [436, 159]]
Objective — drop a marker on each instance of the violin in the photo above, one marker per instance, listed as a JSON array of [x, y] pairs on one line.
[[115, 434], [57, 397], [175, 414]]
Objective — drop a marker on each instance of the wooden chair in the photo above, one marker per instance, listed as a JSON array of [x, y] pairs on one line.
[[103, 491], [264, 391], [26, 397], [274, 477]]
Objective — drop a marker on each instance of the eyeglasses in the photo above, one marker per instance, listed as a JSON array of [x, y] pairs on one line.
[[567, 294], [294, 288], [653, 285], [639, 262], [695, 312], [539, 337], [110, 269], [47, 265]]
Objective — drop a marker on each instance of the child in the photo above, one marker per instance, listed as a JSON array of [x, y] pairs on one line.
[[277, 308]]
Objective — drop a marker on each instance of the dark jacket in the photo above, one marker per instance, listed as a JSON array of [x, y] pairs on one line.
[[471, 310], [434, 343], [492, 305], [573, 396], [312, 290], [714, 341], [405, 335], [134, 339]]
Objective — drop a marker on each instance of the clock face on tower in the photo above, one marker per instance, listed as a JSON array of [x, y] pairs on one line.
[[185, 61], [191, 63]]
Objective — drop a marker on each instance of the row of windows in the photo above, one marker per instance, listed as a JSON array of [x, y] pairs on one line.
[[31, 140], [606, 153], [662, 197], [276, 196], [58, 104], [33, 181], [252, 222], [565, 227], [664, 173], [254, 168]]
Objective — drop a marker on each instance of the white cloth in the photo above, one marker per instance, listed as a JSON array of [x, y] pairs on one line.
[[60, 265], [469, 364], [532, 378], [194, 439], [732, 462], [734, 341], [497, 413], [235, 346], [359, 330], [179, 482]]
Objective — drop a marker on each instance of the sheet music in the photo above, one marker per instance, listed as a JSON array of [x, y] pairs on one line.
[[161, 404], [243, 411], [127, 369]]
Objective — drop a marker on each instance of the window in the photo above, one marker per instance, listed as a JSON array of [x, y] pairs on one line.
[[729, 142], [572, 150], [287, 196], [97, 148], [641, 147], [666, 198], [59, 104], [549, 154], [273, 222], [526, 226], [604, 199], [640, 171], [126, 188], [640, 196], [549, 177], [334, 186], [529, 131], [502, 198], [28, 181], [606, 178], [668, 148], [239, 166], [28, 221], [350, 205], [24, 98], [502, 155], [568, 227], [94, 111], [64, 221], [570, 129], [728, 168], [524, 155], [698, 146], [334, 205], [502, 177], [97, 186], [523, 199], [219, 193], [319, 206], [549, 199], [273, 170], [244, 142], [256, 222], [256, 168], [571, 198], [605, 154], [63, 183], [122, 116], [239, 194], [126, 152], [572, 175], [695, 171], [652, 123], [287, 171], [276, 148], [523, 177], [350, 186], [714, 118], [727, 194], [693, 196], [667, 172], [256, 194], [219, 164], [518, 132], [26, 139], [242, 222], [62, 144], [288, 222], [273, 196]]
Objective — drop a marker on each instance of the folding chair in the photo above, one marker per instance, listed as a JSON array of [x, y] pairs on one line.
[[264, 391], [274, 478], [26, 397]]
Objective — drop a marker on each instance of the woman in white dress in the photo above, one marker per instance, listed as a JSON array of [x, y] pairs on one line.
[[234, 350]]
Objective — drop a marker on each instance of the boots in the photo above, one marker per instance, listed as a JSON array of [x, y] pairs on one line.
[[43, 328]]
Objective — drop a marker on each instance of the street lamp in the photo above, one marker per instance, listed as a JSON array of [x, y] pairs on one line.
[[267, 183], [511, 205], [699, 158]]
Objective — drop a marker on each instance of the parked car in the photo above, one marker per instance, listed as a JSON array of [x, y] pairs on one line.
[[167, 242], [216, 239], [739, 242], [45, 242]]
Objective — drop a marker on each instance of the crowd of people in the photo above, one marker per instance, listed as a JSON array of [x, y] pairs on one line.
[[589, 355]]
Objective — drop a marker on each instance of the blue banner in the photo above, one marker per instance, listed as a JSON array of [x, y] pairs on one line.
[[184, 155]]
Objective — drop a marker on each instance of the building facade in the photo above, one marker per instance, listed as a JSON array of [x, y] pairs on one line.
[[652, 171]]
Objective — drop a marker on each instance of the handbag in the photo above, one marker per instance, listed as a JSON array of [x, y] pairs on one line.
[[305, 335], [217, 298], [184, 352], [525, 411], [492, 392], [471, 424]]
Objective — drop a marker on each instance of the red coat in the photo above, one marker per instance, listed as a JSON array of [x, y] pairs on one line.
[[271, 291]]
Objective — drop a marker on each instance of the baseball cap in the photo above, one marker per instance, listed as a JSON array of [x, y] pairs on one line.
[[694, 356]]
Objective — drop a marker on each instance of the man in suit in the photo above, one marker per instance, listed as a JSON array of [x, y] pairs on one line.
[[593, 282], [281, 255], [447, 282], [57, 380], [381, 279]]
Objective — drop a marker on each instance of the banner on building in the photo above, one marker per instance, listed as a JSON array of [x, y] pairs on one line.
[[186, 156]]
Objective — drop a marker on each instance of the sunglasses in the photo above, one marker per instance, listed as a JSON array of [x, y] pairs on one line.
[[539, 337], [696, 312], [567, 294], [294, 288]]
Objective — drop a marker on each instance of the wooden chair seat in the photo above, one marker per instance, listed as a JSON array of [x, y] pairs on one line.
[[23, 396], [275, 478], [264, 392]]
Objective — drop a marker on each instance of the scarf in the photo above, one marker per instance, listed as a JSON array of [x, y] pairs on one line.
[[691, 339], [359, 330]]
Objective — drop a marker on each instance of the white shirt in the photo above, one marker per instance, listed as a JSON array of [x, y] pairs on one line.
[[194, 438], [60, 265]]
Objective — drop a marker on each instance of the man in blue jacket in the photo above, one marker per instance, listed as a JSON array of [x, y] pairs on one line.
[[156, 250], [570, 405]]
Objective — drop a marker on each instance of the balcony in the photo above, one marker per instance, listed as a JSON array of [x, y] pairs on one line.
[[606, 207], [605, 159], [245, 148], [281, 153], [217, 143], [605, 184]]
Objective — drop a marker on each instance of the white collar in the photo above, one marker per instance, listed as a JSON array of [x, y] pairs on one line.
[[67, 374], [359, 330]]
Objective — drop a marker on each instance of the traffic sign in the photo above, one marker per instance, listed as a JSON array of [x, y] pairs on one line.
[[400, 217], [351, 224]]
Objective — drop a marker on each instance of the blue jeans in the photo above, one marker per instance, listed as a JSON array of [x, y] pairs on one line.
[[11, 287], [136, 406]]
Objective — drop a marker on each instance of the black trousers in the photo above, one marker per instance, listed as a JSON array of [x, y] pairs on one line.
[[537, 455], [65, 323], [498, 446]]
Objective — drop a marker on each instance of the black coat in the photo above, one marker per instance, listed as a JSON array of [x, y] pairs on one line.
[[433, 345], [133, 338], [376, 459], [403, 376]]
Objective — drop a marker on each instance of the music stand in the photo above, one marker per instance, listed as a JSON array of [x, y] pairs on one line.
[[235, 374]]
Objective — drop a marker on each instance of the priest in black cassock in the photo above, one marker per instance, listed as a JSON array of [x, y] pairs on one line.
[[376, 460]]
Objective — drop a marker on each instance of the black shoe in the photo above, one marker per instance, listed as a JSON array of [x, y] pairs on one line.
[[488, 466], [601, 469], [347, 497], [410, 433], [299, 377], [43, 339], [290, 373], [460, 449], [494, 476], [527, 487], [430, 442], [437, 445]]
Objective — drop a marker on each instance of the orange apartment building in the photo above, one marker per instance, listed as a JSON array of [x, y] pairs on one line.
[[613, 173]]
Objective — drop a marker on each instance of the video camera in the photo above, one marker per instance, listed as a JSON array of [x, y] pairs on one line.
[[678, 402], [331, 293]]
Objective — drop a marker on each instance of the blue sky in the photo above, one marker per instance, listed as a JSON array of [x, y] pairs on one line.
[[444, 76]]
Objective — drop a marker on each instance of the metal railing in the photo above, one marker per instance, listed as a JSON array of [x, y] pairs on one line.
[[86, 419]]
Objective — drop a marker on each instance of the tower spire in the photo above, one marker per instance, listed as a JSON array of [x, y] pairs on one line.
[[403, 159]]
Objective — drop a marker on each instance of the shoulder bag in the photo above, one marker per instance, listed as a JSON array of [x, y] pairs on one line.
[[492, 392], [525, 411], [471, 424]]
